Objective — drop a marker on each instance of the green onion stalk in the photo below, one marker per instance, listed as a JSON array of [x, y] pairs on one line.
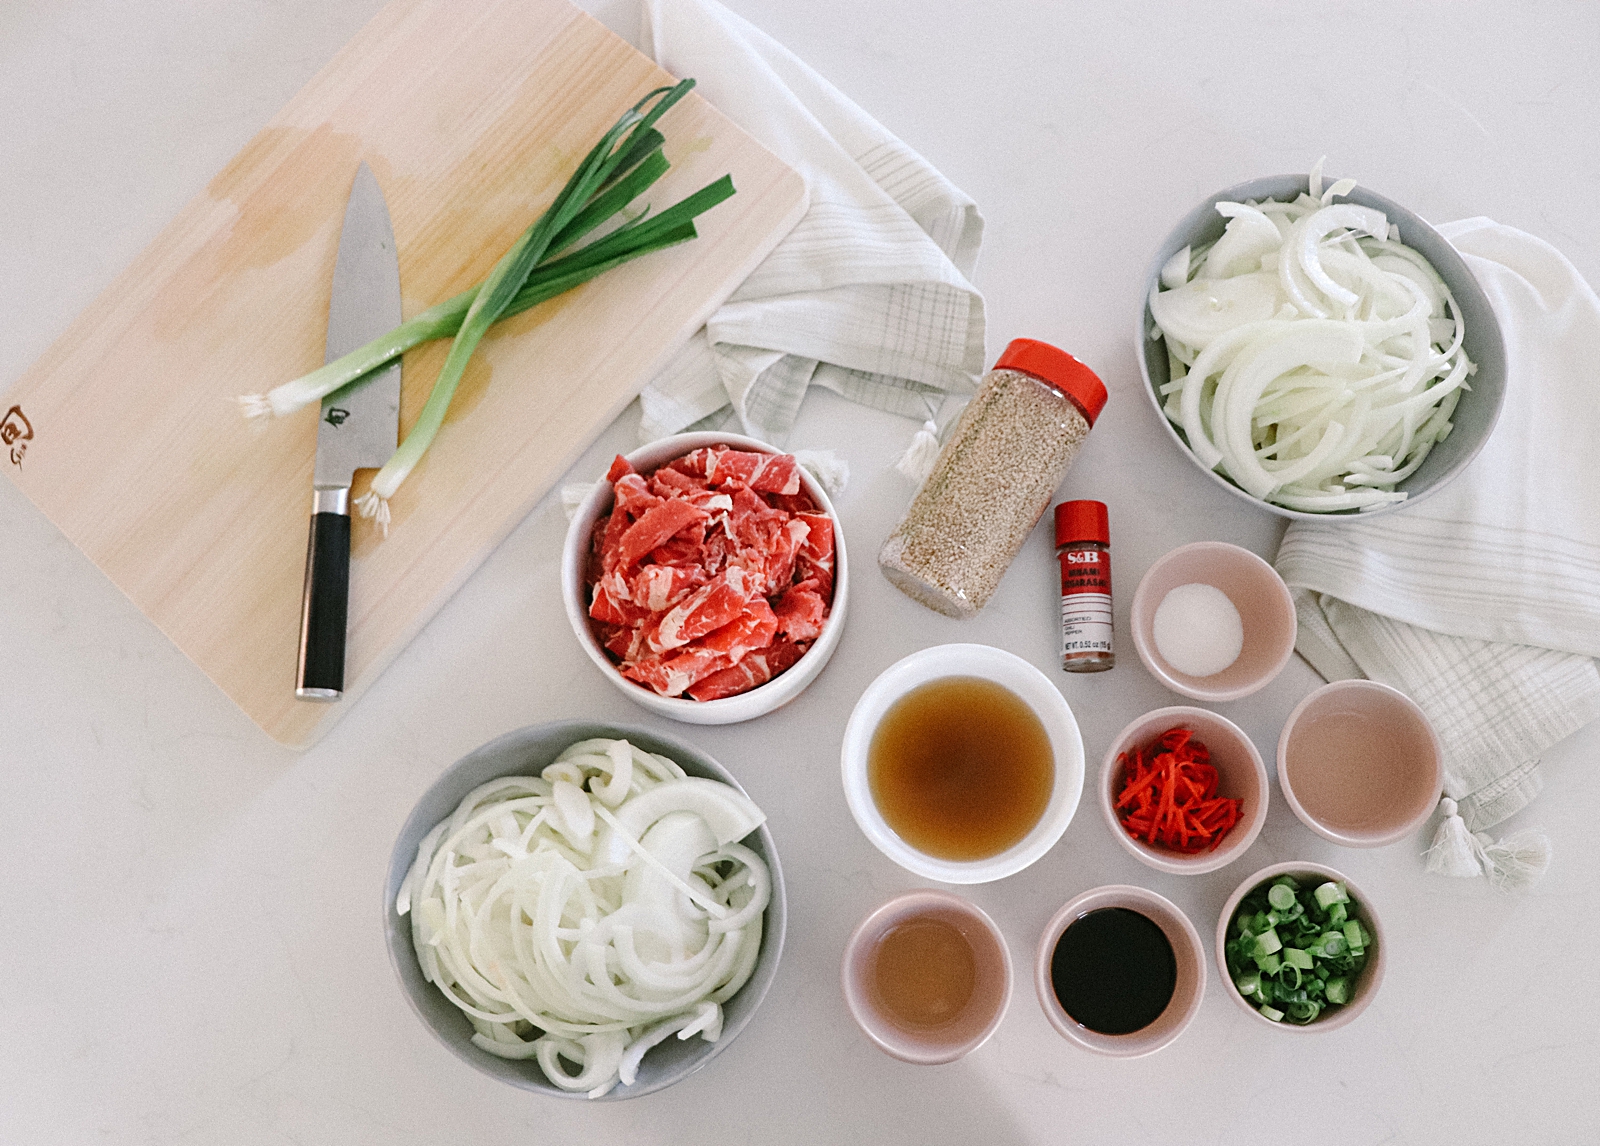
[[627, 160]]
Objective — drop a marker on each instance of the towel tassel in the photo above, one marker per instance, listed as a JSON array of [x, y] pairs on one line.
[[1519, 859], [1516, 861], [831, 471], [1455, 851], [574, 495], [917, 462]]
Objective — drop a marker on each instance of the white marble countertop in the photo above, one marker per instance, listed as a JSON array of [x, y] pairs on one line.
[[190, 948]]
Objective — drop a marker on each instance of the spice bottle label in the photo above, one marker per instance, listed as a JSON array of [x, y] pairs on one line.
[[1085, 600]]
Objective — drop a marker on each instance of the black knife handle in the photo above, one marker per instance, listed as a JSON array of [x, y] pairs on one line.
[[324, 608]]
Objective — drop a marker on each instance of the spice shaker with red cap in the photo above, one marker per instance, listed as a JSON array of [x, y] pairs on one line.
[[993, 478], [1083, 546]]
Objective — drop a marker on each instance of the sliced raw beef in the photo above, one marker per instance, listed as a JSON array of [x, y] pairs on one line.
[[755, 670], [712, 574], [705, 610], [801, 611]]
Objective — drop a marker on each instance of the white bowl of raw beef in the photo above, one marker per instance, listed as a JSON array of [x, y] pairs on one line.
[[578, 594]]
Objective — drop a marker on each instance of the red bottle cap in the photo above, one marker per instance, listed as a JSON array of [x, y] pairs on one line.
[[1056, 368], [1082, 521]]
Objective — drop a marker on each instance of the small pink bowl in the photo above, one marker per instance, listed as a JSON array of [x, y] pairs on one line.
[[1241, 774], [1359, 763], [1187, 950], [1256, 591], [1367, 982], [991, 992]]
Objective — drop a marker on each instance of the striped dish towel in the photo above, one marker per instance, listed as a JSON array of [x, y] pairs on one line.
[[1483, 602], [868, 295]]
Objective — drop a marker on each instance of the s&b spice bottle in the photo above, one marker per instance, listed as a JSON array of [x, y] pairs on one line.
[[1083, 546], [993, 479]]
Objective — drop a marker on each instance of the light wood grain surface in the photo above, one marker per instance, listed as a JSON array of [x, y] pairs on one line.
[[139, 453]]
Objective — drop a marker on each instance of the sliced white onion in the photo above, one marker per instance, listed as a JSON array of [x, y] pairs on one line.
[[1316, 370], [568, 954], [1248, 236], [729, 813], [1199, 311], [1175, 271]]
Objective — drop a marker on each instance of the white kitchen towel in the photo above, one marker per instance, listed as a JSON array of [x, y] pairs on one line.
[[1483, 602], [868, 295]]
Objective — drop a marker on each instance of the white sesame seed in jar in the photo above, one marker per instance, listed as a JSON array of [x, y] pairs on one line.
[[993, 478]]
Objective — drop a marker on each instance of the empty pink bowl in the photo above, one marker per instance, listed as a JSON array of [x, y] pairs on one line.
[[1359, 763], [1367, 982], [1253, 587], [964, 1023], [1187, 950], [1241, 774]]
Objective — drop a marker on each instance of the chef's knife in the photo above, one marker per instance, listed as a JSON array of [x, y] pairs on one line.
[[359, 428]]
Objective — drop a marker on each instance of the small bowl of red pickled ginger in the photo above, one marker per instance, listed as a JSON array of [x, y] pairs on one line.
[[705, 576]]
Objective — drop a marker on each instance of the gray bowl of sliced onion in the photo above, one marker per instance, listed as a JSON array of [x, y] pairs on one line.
[[1319, 355], [710, 888]]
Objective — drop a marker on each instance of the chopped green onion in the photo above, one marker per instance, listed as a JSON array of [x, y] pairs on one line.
[[1355, 936], [1304, 1012], [1296, 958], [1329, 894]]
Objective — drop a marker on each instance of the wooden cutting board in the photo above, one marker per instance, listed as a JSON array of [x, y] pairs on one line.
[[126, 433]]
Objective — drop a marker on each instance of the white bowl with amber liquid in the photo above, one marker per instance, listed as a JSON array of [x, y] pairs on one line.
[[963, 782]]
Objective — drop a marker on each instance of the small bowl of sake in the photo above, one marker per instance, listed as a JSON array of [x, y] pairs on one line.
[[927, 977], [1359, 764], [962, 763]]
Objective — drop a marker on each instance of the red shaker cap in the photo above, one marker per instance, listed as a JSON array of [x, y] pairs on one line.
[[1082, 521], [1058, 369]]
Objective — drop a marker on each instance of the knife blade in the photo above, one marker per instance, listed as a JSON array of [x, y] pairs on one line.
[[358, 427]]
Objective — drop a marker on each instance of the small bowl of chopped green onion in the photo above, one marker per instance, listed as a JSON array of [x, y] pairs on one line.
[[1301, 947]]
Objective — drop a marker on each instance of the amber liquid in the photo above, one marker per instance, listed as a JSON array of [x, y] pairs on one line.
[[923, 974], [961, 768]]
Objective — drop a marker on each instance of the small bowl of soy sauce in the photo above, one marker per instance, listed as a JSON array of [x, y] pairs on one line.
[[1120, 971]]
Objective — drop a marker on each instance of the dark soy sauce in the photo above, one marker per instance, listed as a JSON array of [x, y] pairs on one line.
[[1114, 971]]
